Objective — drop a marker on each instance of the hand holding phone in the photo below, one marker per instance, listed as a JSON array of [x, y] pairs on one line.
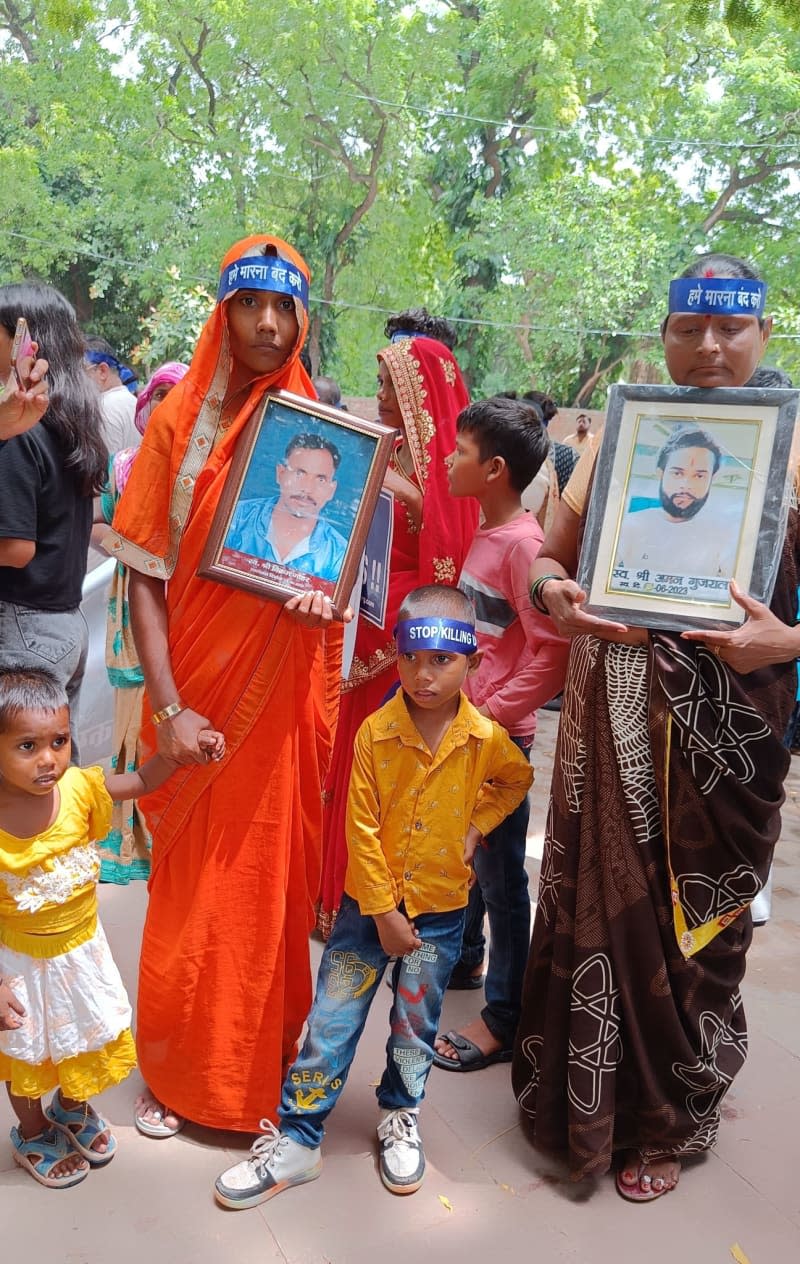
[[25, 397], [23, 347]]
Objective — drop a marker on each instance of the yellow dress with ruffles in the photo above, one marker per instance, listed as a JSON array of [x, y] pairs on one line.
[[54, 954]]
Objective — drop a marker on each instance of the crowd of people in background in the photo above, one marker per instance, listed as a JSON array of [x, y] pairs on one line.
[[267, 784]]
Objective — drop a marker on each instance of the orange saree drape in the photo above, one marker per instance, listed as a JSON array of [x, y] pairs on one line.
[[224, 982]]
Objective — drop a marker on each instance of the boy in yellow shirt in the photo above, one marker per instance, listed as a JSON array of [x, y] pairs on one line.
[[431, 777]]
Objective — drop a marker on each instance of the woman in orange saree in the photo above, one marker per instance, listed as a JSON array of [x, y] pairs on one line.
[[224, 984], [421, 392]]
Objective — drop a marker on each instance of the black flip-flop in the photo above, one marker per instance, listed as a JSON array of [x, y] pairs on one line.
[[470, 1057]]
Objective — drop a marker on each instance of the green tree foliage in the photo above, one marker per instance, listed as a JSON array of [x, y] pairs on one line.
[[536, 171]]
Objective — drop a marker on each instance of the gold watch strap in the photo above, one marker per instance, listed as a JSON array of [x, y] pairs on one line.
[[167, 713]]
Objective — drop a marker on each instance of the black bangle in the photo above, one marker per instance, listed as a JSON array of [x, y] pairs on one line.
[[535, 594]]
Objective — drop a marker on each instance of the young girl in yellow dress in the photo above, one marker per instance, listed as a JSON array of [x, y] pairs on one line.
[[64, 1013]]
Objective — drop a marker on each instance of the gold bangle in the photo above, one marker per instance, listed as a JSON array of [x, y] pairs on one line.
[[166, 713]]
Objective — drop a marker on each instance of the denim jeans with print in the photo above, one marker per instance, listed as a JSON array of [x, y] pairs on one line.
[[350, 972]]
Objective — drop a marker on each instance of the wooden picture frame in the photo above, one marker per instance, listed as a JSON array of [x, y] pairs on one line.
[[299, 464], [670, 523]]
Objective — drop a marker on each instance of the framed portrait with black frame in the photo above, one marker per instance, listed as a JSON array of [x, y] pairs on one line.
[[377, 554], [691, 489], [297, 505]]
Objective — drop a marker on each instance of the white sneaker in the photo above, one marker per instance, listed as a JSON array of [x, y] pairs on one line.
[[276, 1161], [402, 1156]]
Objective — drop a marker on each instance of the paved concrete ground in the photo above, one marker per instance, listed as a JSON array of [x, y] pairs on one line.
[[488, 1196]]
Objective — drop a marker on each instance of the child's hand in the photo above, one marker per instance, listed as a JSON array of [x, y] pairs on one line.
[[397, 934], [11, 1012], [212, 743], [177, 737]]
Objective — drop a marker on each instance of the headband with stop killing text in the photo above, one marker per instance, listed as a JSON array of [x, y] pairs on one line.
[[435, 634]]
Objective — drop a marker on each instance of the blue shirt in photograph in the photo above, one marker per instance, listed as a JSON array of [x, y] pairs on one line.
[[321, 553]]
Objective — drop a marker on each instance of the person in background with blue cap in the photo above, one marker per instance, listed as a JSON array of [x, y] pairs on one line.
[[117, 386]]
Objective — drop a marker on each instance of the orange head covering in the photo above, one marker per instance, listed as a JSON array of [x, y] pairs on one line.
[[212, 347], [190, 437]]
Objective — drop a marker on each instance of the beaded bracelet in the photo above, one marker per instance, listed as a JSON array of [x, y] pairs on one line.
[[535, 593]]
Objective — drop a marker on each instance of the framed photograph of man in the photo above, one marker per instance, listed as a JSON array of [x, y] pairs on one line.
[[299, 499], [691, 489]]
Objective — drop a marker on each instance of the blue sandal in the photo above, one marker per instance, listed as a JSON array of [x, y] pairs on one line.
[[81, 1127], [40, 1154]]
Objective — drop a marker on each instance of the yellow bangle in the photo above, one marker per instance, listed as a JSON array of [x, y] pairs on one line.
[[167, 713]]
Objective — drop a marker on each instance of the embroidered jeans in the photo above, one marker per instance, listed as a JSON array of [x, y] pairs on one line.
[[350, 972]]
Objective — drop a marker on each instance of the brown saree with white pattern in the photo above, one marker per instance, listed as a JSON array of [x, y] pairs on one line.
[[664, 814]]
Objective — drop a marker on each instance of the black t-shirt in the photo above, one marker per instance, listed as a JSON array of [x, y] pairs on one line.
[[42, 501]]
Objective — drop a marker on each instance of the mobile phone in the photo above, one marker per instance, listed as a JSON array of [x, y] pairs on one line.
[[21, 347]]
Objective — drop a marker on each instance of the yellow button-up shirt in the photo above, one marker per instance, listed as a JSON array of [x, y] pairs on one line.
[[408, 811]]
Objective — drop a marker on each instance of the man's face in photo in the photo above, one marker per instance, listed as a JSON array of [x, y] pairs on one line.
[[307, 482], [686, 482]]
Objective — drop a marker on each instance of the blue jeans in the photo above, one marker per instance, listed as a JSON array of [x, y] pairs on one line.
[[350, 972], [502, 892], [57, 640]]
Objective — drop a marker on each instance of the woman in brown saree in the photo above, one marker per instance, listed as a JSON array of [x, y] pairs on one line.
[[664, 813]]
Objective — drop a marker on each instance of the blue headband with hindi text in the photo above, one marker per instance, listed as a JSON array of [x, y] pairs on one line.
[[718, 296], [263, 272], [435, 634]]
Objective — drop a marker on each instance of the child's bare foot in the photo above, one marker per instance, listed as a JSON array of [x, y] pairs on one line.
[[469, 1050], [154, 1119], [641, 1182]]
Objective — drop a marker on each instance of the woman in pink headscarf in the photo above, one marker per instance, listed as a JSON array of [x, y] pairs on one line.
[[125, 852]]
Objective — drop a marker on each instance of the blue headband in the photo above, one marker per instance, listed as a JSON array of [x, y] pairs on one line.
[[718, 296], [407, 333], [435, 634], [126, 375], [263, 272]]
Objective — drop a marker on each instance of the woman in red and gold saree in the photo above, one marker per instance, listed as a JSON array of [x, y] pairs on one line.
[[421, 392], [665, 809], [224, 983]]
